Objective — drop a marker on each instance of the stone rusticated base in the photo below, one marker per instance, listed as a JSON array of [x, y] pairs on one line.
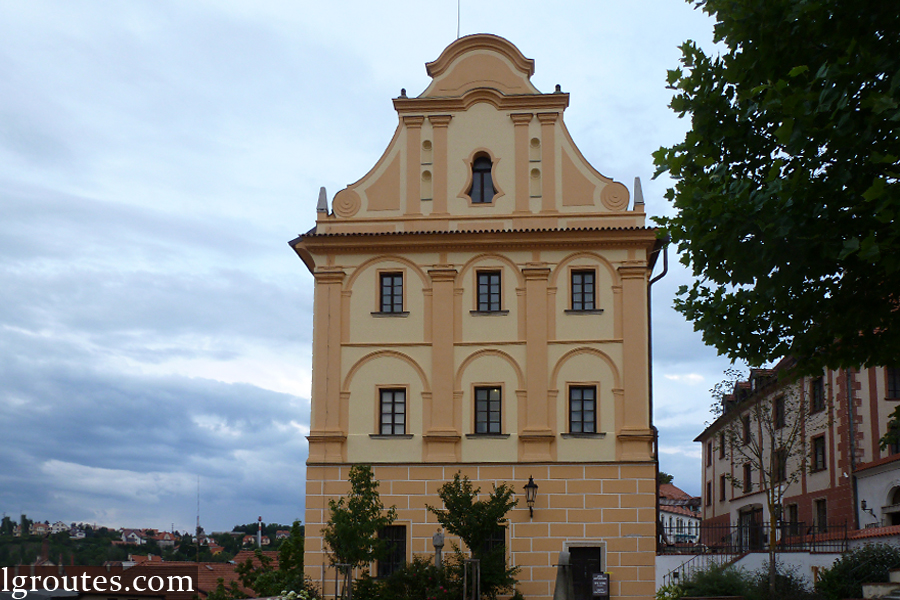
[[608, 505]]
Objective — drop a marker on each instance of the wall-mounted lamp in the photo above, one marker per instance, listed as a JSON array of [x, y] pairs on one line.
[[868, 510], [531, 489]]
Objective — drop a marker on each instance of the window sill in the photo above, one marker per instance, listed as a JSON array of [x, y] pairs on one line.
[[599, 434], [405, 313], [378, 436], [594, 311], [488, 313], [489, 436], [822, 470]]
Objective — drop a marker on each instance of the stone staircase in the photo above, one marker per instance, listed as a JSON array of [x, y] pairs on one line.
[[886, 591]]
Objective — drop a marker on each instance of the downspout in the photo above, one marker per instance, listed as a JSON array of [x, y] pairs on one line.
[[852, 446], [665, 249]]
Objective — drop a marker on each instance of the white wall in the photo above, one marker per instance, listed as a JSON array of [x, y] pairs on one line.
[[754, 561]]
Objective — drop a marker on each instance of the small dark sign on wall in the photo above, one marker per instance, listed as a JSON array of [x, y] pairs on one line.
[[600, 585]]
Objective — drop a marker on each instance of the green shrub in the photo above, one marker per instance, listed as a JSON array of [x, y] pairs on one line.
[[866, 564], [669, 591], [417, 580], [788, 584], [717, 581]]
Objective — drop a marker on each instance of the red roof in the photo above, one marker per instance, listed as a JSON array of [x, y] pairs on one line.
[[679, 510], [667, 490], [245, 555]]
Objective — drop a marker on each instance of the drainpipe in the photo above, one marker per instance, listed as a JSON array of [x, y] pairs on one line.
[[852, 446], [665, 250]]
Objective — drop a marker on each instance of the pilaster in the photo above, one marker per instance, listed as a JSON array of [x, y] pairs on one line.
[[328, 424], [413, 164], [548, 161], [442, 430], [635, 437], [536, 439], [439, 124], [520, 122]]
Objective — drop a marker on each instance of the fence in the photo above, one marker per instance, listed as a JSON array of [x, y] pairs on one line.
[[719, 545], [754, 537]]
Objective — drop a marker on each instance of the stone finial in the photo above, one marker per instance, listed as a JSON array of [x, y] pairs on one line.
[[322, 205], [638, 194]]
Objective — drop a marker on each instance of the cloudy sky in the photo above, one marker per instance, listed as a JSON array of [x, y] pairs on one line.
[[156, 157]]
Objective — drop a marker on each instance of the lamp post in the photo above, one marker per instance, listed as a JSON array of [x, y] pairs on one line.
[[531, 489]]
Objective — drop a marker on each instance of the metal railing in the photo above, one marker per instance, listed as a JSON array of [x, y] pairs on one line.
[[716, 545], [754, 537]]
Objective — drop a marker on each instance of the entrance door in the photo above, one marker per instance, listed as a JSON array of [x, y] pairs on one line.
[[585, 562], [751, 531]]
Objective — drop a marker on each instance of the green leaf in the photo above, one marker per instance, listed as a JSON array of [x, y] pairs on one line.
[[798, 70], [875, 191], [850, 246]]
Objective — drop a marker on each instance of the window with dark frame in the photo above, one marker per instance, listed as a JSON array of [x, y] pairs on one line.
[[392, 292], [482, 191], [818, 453], [893, 382], [821, 516], [817, 392], [778, 412], [721, 445], [793, 513], [709, 493], [722, 482], [393, 412], [487, 410], [894, 447], [497, 539], [395, 557], [488, 291], [583, 291], [780, 466], [709, 453], [745, 427], [748, 478], [582, 409]]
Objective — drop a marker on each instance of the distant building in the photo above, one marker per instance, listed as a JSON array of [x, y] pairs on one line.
[[679, 515], [845, 480], [165, 539], [133, 536], [58, 527], [39, 528]]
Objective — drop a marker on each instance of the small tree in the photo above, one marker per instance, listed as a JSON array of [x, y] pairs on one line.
[[477, 523], [351, 532], [767, 436]]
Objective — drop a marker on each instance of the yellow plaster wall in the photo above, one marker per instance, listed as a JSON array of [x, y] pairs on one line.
[[609, 505], [363, 297]]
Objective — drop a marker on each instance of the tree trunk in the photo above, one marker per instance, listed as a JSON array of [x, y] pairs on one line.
[[772, 569]]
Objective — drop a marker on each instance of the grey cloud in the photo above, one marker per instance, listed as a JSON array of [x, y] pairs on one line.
[[54, 413]]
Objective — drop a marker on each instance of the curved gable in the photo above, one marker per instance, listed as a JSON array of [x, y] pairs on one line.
[[478, 61]]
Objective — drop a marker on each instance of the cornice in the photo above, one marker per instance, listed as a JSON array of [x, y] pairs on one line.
[[517, 239], [520, 102]]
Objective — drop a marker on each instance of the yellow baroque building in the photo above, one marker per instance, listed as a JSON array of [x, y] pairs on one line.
[[481, 306]]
